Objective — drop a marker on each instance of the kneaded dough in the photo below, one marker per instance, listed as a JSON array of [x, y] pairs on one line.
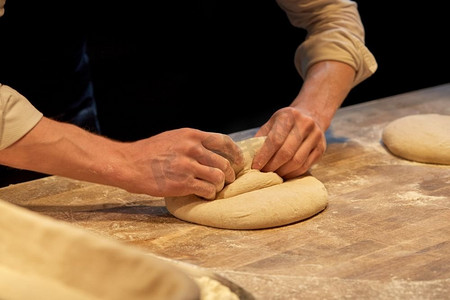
[[422, 138], [254, 202]]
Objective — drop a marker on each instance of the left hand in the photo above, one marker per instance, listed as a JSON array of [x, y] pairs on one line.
[[294, 143]]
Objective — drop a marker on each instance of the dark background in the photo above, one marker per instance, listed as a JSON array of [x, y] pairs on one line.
[[249, 48], [410, 43], [215, 65]]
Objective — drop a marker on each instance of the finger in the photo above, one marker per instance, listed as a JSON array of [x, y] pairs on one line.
[[178, 177], [203, 189], [211, 159], [224, 146], [313, 158], [275, 139], [208, 158], [264, 130], [287, 151], [299, 153], [212, 176], [309, 153], [188, 175]]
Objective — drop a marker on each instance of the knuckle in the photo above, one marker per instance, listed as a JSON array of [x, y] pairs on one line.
[[219, 177], [209, 192], [195, 150], [299, 160], [310, 125], [226, 165], [277, 140], [285, 154]]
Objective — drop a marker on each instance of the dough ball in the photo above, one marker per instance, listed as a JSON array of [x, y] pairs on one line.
[[255, 199], [421, 138], [278, 205]]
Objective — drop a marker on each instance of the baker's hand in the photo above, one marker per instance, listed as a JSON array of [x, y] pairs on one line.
[[184, 161], [294, 143]]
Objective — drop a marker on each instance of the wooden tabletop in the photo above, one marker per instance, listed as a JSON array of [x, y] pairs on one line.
[[384, 235]]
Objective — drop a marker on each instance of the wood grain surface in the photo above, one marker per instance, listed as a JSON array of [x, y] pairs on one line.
[[384, 235]]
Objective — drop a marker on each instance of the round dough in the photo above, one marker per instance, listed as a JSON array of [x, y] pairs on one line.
[[258, 203], [422, 138], [278, 205]]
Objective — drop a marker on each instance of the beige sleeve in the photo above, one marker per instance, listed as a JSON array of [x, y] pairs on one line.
[[334, 32], [2, 7], [17, 116]]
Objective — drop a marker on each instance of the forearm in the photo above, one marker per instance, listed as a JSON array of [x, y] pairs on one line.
[[66, 150], [325, 87], [173, 163]]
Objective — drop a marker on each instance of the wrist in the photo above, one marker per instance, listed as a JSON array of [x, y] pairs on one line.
[[326, 85]]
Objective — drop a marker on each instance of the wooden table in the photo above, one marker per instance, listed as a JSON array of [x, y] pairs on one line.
[[384, 235]]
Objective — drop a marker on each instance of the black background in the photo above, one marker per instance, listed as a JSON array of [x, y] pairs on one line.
[[410, 43], [249, 48], [222, 66]]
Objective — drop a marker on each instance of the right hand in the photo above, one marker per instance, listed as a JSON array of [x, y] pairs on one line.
[[182, 162]]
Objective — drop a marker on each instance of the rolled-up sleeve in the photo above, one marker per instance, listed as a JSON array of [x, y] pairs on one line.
[[334, 32], [2, 7], [17, 116]]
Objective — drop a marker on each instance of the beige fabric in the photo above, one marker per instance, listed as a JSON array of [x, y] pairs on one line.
[[2, 7], [335, 32], [42, 258], [17, 116]]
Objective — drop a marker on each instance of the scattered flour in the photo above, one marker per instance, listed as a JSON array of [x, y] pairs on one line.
[[416, 198]]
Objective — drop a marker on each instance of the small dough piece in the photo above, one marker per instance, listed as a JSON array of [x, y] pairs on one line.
[[421, 138], [249, 181], [255, 199]]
